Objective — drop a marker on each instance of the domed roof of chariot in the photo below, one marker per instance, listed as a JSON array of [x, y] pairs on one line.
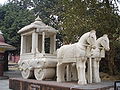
[[39, 26]]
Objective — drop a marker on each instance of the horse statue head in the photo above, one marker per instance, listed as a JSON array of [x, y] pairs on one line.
[[87, 42], [91, 38], [104, 42], [102, 45], [88, 39]]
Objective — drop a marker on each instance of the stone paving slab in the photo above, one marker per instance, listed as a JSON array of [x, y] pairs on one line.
[[13, 74], [4, 85]]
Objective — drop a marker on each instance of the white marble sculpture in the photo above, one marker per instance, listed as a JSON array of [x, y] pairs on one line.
[[33, 58], [102, 45], [35, 61], [75, 53]]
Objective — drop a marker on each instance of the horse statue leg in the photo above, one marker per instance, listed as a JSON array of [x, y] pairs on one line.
[[74, 72], [60, 72], [96, 76], [68, 72], [81, 70], [89, 70]]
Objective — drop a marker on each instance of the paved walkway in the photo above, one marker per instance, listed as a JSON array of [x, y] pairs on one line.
[[12, 73], [4, 85]]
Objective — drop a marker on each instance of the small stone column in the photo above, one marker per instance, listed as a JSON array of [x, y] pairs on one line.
[[43, 42], [23, 44], [36, 42], [21, 51], [33, 42], [52, 44]]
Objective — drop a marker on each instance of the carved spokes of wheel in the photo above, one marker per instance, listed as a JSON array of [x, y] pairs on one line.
[[27, 73], [39, 74]]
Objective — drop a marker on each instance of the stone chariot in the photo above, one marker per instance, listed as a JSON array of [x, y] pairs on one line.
[[36, 60]]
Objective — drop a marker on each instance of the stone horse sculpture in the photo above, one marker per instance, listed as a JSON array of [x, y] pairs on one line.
[[75, 53], [102, 45]]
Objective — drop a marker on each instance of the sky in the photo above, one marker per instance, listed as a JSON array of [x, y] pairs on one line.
[[3, 1]]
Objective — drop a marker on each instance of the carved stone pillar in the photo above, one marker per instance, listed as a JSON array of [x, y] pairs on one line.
[[43, 42], [21, 51], [33, 42], [23, 44], [52, 44], [36, 42]]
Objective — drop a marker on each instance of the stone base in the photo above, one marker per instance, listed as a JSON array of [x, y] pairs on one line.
[[3, 77], [30, 84]]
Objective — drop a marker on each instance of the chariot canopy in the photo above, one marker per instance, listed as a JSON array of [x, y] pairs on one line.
[[39, 26], [38, 45], [33, 37]]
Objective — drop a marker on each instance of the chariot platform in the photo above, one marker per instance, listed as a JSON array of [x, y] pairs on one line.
[[31, 84]]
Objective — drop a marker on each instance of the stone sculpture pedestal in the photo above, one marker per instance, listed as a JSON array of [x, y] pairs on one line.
[[30, 84]]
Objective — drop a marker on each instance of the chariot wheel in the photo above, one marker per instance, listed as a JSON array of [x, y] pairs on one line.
[[27, 73], [39, 74]]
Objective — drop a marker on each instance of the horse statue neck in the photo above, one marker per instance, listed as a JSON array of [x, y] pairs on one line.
[[83, 39], [98, 43], [84, 44], [100, 48]]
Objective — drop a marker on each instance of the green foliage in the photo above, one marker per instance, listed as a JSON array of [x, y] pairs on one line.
[[74, 21], [12, 18], [80, 16], [44, 8]]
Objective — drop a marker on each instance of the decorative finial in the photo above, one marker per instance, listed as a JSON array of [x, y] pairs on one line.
[[38, 18]]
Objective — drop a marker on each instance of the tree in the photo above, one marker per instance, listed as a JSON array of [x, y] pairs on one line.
[[46, 9], [12, 18], [79, 16], [107, 21]]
